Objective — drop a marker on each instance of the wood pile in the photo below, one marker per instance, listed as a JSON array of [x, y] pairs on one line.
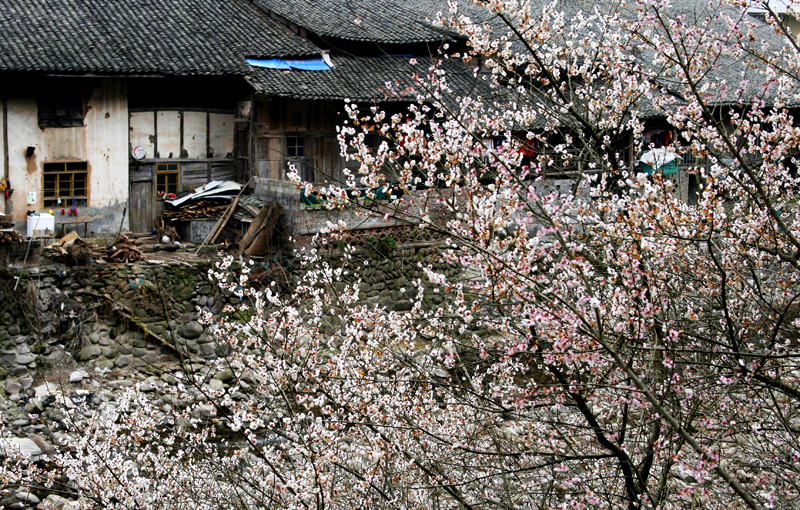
[[10, 236], [123, 251], [6, 221], [192, 210], [74, 251]]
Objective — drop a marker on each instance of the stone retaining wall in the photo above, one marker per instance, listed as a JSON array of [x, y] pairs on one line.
[[112, 316]]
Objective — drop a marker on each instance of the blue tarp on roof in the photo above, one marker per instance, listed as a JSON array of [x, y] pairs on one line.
[[309, 64]]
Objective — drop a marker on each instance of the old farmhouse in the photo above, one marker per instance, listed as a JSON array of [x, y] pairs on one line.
[[109, 106]]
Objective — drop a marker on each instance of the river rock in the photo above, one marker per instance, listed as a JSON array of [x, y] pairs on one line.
[[44, 390], [122, 361], [90, 352], [12, 386], [78, 376], [191, 330], [24, 446]]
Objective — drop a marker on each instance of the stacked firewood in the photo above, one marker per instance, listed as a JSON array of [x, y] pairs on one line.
[[208, 208], [10, 236], [123, 251], [6, 221]]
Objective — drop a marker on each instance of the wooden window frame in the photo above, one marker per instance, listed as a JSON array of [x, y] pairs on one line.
[[307, 172], [292, 147], [164, 170], [70, 170]]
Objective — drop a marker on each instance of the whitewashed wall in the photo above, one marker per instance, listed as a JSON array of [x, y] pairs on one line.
[[102, 142]]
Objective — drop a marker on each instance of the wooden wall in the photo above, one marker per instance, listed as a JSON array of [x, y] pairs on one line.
[[182, 133], [316, 121]]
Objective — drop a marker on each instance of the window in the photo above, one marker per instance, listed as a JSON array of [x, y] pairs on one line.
[[167, 178], [61, 109], [66, 181], [296, 151], [295, 146]]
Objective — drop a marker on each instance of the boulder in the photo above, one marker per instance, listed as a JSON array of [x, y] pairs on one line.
[[90, 352]]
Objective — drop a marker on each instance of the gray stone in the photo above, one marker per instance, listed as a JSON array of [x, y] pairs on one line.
[[18, 371], [8, 358], [147, 387], [25, 359], [24, 446], [191, 330], [216, 384], [78, 376], [55, 502], [225, 375], [104, 363], [122, 361], [109, 352], [12, 387], [208, 351], [157, 329], [90, 352], [45, 389], [26, 382], [27, 497], [119, 384], [13, 330]]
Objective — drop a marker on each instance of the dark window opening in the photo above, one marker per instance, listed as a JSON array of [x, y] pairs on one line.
[[61, 109], [295, 146]]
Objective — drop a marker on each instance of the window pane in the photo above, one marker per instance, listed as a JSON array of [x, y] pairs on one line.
[[53, 167], [64, 185], [49, 185], [79, 184], [78, 165]]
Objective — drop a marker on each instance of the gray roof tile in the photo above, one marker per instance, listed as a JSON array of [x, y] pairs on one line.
[[364, 79], [140, 36], [381, 21]]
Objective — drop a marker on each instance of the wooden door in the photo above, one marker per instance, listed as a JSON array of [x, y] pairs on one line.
[[141, 207]]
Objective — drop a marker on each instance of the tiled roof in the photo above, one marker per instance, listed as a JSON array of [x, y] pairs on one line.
[[381, 21], [140, 36], [364, 79]]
